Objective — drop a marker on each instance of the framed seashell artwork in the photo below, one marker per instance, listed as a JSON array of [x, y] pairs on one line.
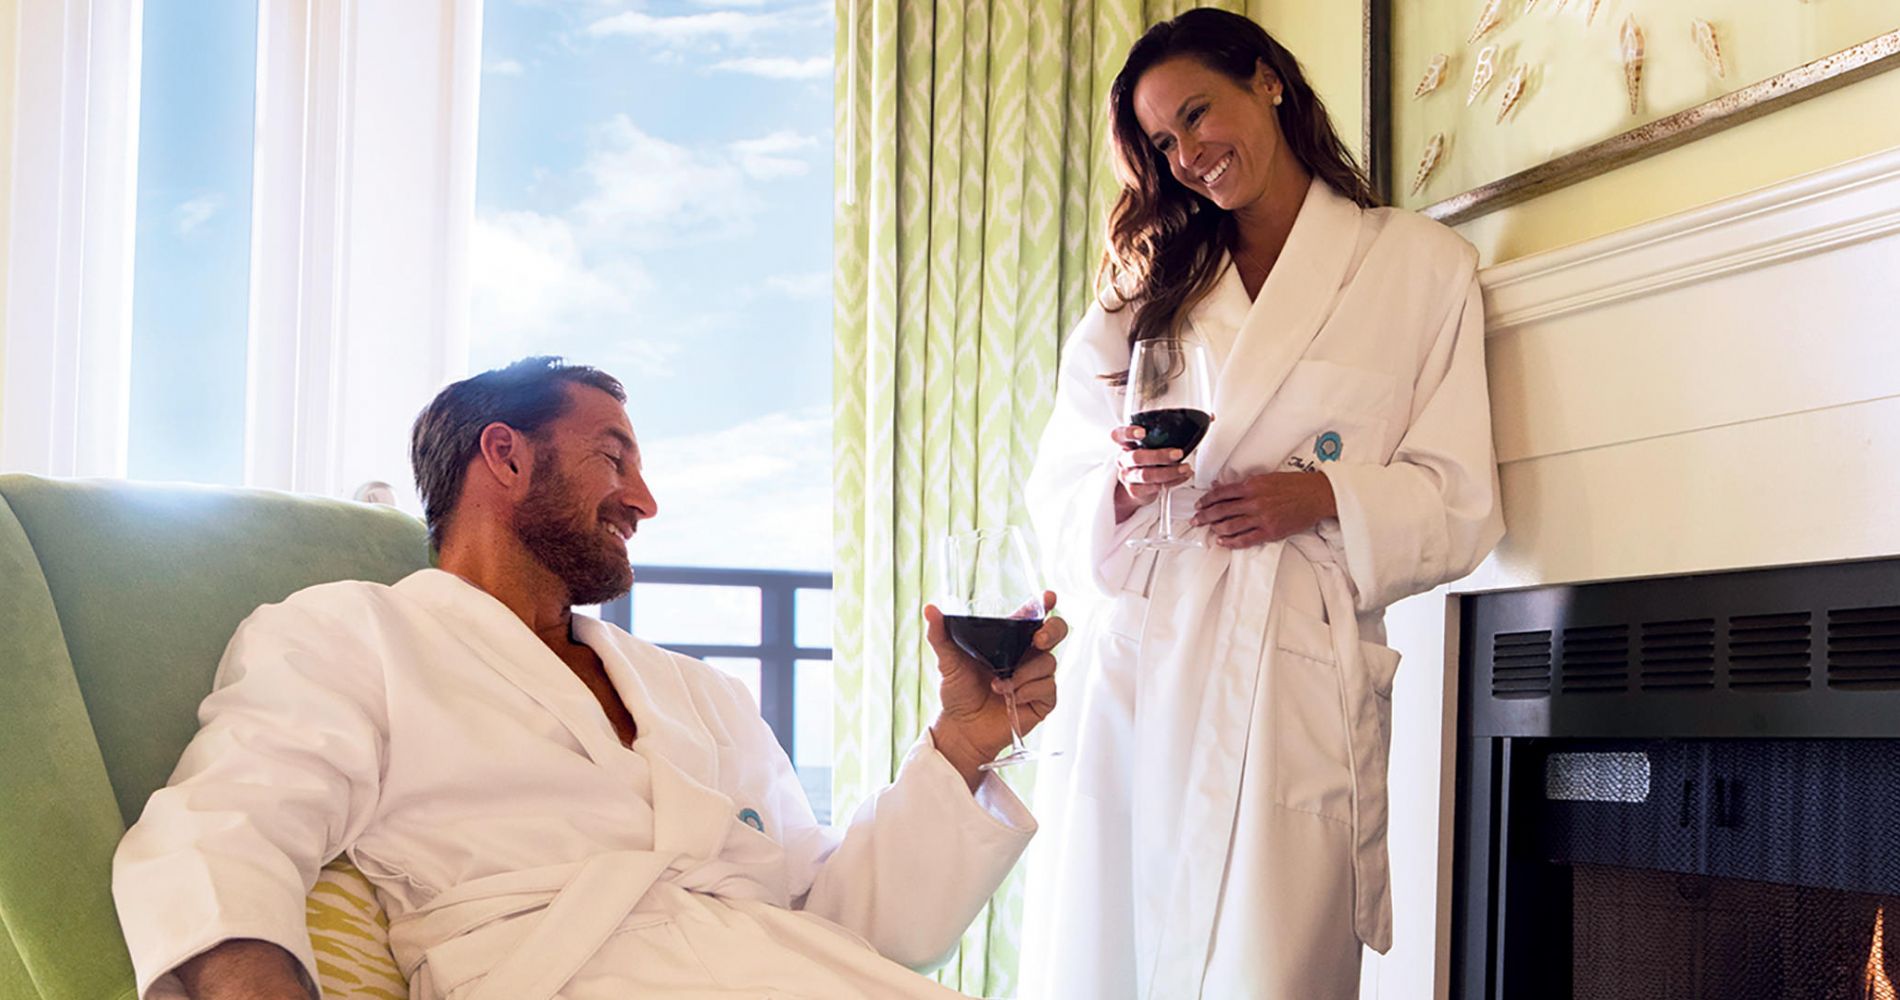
[[1545, 93]]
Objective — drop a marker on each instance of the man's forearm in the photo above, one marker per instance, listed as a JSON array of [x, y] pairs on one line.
[[245, 969]]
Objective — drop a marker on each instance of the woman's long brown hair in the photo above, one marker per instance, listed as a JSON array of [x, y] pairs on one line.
[[1164, 241]]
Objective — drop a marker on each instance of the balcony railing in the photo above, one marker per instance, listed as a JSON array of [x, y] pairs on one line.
[[777, 650]]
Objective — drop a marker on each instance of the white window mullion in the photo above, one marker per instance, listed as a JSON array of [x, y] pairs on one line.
[[69, 280], [364, 195]]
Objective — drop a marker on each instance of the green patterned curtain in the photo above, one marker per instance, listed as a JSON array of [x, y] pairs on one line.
[[972, 179]]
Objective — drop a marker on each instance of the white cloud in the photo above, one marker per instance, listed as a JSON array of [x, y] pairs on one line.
[[810, 285], [730, 3], [757, 494], [687, 29], [779, 67], [534, 291], [506, 67], [763, 158], [648, 190], [195, 212]]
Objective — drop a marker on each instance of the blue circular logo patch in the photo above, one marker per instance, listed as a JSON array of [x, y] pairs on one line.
[[750, 817], [1329, 447]]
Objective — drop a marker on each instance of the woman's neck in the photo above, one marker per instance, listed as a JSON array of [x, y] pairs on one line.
[[1262, 227]]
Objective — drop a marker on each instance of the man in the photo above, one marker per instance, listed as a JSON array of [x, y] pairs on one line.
[[548, 806]]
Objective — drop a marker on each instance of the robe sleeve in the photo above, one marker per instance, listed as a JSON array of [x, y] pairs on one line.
[[1431, 514], [1071, 491], [918, 860], [282, 774]]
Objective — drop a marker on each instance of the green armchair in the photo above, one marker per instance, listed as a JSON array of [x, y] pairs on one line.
[[116, 601]]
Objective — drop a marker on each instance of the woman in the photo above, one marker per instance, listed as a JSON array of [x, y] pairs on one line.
[[1217, 826]]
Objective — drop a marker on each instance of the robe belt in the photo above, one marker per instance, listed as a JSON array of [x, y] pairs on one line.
[[1355, 683], [580, 905]]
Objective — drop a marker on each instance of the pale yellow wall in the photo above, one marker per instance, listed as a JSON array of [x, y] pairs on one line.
[[1329, 40], [9, 63], [1854, 121]]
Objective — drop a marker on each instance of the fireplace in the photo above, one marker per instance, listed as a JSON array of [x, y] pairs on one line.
[[1680, 788]]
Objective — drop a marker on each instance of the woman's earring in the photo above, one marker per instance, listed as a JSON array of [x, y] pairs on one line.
[[1276, 100]]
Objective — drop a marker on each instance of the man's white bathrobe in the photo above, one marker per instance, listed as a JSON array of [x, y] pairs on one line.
[[522, 851], [1217, 826]]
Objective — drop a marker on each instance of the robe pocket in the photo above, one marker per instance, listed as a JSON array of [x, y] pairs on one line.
[[1348, 403], [1312, 769]]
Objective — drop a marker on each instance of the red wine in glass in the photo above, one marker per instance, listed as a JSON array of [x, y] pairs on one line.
[[1173, 427], [991, 598], [999, 642], [1171, 398]]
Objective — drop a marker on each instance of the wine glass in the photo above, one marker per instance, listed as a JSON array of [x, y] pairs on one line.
[[991, 601], [1171, 396]]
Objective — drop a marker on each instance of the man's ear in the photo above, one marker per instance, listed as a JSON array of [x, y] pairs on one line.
[[507, 454]]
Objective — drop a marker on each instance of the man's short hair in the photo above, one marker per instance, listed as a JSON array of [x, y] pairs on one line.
[[527, 396]]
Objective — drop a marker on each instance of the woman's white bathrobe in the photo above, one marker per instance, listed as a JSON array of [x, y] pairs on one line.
[[521, 850], [1217, 826]]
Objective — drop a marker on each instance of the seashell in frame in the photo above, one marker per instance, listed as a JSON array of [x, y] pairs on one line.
[[1513, 90], [1482, 73], [1434, 75], [1434, 148], [1631, 44], [1705, 40]]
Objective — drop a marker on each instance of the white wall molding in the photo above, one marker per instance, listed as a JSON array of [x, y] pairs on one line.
[[69, 263], [1851, 203]]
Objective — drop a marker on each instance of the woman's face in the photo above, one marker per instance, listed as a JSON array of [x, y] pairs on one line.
[[1220, 138]]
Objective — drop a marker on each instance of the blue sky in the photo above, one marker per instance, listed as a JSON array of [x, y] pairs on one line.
[[191, 274], [653, 196], [653, 191]]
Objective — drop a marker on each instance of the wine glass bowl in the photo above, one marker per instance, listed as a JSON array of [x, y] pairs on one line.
[[1171, 398], [991, 598]]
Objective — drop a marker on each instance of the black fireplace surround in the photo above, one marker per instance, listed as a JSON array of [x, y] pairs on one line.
[[1680, 788]]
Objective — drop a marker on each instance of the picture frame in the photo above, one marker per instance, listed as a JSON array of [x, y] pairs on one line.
[[1389, 167]]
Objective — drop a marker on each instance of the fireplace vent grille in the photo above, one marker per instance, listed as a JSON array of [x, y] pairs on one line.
[[1596, 659], [1678, 655], [1770, 652], [1520, 664], [1863, 648]]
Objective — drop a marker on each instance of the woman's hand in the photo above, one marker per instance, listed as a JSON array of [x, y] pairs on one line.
[[1142, 473], [973, 725], [1265, 508]]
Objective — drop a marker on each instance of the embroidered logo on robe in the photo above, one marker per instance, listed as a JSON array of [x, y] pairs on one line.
[[750, 817], [1329, 446]]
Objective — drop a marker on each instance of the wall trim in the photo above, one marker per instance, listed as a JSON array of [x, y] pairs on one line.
[[1854, 202]]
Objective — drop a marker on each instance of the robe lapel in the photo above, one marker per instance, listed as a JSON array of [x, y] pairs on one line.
[[655, 692], [1284, 319], [506, 645]]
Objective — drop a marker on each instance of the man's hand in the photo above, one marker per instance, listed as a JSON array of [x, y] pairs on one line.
[[973, 725], [1266, 508], [245, 969]]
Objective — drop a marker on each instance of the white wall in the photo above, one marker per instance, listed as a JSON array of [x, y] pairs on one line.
[[1712, 390]]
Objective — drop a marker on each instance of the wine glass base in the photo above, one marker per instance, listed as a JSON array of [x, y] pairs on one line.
[[1023, 757], [1182, 542]]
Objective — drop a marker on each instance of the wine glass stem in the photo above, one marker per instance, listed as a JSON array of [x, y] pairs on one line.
[[1167, 511], [1015, 728]]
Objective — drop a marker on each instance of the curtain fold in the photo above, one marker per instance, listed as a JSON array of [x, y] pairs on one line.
[[973, 178]]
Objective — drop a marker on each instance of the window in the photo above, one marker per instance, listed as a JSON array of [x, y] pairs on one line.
[[653, 197], [193, 243]]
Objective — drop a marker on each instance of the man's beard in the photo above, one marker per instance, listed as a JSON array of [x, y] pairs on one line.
[[572, 550]]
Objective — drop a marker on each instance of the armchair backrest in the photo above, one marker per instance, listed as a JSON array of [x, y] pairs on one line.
[[116, 602]]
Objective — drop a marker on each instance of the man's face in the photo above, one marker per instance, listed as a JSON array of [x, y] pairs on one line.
[[585, 498]]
